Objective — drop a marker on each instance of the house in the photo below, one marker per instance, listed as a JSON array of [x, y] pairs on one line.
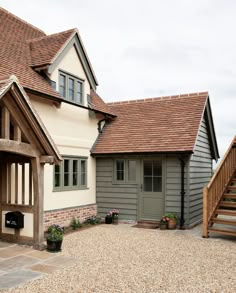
[[65, 153], [156, 157], [49, 122]]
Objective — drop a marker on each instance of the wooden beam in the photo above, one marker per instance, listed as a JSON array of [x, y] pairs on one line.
[[17, 133], [5, 123], [20, 148], [4, 182], [205, 213], [38, 181], [47, 159], [21, 208]]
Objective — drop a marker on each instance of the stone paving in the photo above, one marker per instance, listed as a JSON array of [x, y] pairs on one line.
[[20, 264]]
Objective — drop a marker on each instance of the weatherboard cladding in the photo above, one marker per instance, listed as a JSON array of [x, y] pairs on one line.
[[200, 172], [168, 124]]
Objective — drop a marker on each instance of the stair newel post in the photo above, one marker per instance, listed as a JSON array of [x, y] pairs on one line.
[[205, 212]]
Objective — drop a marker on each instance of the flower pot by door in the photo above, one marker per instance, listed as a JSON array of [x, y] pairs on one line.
[[54, 246], [115, 220], [172, 224]]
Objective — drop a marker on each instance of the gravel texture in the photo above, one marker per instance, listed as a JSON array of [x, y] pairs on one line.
[[120, 258]]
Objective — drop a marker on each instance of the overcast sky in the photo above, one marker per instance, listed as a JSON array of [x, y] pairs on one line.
[[152, 48]]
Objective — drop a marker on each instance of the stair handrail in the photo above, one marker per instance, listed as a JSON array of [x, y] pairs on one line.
[[213, 192]]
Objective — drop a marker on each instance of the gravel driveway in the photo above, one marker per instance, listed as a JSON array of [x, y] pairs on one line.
[[120, 258]]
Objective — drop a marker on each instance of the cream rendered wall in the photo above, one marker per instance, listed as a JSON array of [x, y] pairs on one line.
[[74, 131], [71, 64]]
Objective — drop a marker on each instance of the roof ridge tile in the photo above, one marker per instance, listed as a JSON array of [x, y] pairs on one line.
[[51, 35], [161, 98]]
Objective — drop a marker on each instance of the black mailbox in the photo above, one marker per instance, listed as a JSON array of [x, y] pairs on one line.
[[14, 220]]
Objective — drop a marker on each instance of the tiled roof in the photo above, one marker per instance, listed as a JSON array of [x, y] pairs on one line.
[[97, 103], [165, 124], [45, 49], [23, 46], [15, 56]]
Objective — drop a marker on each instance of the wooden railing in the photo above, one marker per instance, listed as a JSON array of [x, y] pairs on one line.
[[214, 191]]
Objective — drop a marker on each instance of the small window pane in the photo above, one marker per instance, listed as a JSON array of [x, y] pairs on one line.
[[131, 170], [147, 169], [75, 172], [79, 92], [157, 169], [62, 85], [148, 184], [120, 170], [57, 181], [71, 89], [83, 172], [66, 172], [157, 184]]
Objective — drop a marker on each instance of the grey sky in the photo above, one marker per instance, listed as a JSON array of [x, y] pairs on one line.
[[151, 48]]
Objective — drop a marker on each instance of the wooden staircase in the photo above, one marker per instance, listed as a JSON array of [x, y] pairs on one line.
[[219, 197]]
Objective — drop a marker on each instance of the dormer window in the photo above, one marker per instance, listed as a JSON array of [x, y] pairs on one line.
[[71, 88]]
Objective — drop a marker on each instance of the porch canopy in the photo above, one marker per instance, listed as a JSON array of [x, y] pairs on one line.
[[25, 147]]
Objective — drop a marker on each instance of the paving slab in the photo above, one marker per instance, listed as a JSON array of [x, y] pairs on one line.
[[6, 244], [43, 268], [41, 254], [13, 251], [61, 261], [16, 278], [17, 262]]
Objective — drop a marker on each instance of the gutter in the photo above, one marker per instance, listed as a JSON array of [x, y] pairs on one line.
[[60, 100]]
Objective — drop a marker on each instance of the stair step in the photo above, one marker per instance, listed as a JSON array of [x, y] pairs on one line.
[[224, 221], [231, 188], [234, 180], [225, 212], [228, 204], [222, 231], [230, 195]]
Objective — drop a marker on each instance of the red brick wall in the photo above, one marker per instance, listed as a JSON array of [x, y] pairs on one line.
[[63, 217]]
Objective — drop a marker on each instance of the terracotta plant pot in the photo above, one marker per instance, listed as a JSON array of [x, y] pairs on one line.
[[172, 224]]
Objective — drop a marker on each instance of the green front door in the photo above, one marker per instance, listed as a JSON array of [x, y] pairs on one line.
[[151, 199]]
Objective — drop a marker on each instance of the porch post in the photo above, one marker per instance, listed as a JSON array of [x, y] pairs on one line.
[[38, 183], [205, 213]]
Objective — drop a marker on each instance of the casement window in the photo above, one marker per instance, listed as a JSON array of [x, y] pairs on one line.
[[71, 174], [71, 88], [125, 171]]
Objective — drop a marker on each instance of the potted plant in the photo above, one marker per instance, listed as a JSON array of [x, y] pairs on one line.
[[115, 216], [108, 218], [172, 222], [164, 223], [54, 238]]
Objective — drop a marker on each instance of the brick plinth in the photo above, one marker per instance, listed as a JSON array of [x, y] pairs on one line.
[[63, 217]]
